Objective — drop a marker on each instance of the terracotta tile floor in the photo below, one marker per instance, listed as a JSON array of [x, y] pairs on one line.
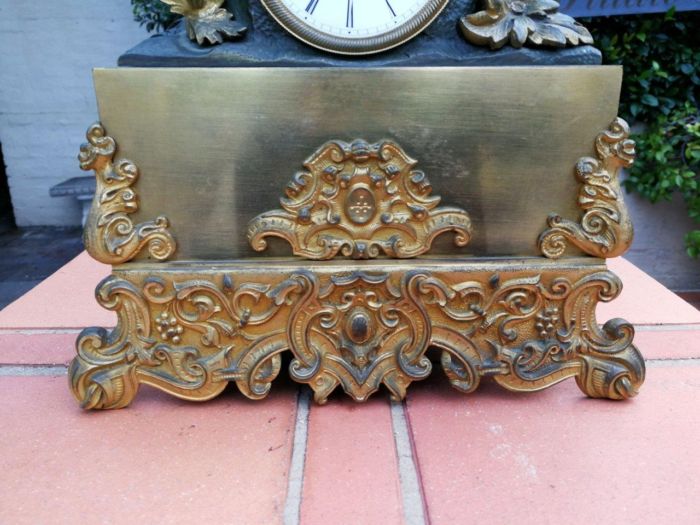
[[491, 457]]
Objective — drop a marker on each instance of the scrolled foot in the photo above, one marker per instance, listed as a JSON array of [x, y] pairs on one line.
[[101, 385], [618, 376]]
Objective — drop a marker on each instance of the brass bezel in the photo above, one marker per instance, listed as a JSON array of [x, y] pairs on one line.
[[353, 46]]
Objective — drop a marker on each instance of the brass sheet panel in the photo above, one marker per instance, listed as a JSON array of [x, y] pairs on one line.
[[216, 147]]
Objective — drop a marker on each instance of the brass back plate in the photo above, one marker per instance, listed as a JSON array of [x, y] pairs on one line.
[[216, 147]]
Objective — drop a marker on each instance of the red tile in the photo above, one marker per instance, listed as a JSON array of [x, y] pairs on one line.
[[668, 344], [644, 300], [66, 299], [351, 474], [36, 349], [558, 457], [160, 461]]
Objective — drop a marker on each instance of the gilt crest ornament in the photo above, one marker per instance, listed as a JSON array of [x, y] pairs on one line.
[[110, 233], [605, 228], [358, 331], [359, 200]]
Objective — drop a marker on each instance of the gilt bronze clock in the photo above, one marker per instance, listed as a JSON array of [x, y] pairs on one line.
[[354, 27], [341, 201]]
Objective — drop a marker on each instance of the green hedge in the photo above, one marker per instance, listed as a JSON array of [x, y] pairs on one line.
[[153, 14], [660, 55]]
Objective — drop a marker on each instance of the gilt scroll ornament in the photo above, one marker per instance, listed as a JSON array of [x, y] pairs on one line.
[[191, 332], [520, 22], [110, 234], [359, 200], [605, 228]]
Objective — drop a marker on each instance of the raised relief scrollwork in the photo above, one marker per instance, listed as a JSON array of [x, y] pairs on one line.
[[359, 331], [188, 338], [531, 332], [569, 342], [110, 234], [605, 228], [191, 334], [359, 200]]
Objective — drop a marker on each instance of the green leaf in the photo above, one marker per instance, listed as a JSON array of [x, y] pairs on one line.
[[650, 100]]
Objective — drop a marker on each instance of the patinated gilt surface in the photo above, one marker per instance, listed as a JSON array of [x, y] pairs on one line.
[[214, 315], [110, 234], [604, 228], [360, 200], [521, 22], [189, 329]]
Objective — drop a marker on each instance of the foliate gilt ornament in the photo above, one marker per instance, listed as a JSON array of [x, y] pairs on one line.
[[605, 228], [360, 331], [359, 200], [110, 234], [520, 22], [191, 332], [206, 21]]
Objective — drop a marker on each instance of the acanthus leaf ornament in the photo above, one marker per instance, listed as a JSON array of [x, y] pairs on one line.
[[359, 200], [520, 22], [110, 234], [206, 21], [605, 228]]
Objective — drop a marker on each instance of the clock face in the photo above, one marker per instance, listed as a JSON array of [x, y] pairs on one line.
[[354, 26]]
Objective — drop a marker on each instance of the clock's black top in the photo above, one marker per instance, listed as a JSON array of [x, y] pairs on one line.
[[267, 44]]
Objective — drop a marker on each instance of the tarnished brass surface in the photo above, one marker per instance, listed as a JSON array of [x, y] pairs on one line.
[[516, 22], [605, 228], [110, 234], [188, 329], [206, 21], [360, 200], [216, 145]]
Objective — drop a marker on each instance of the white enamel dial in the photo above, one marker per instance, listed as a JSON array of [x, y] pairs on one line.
[[354, 26]]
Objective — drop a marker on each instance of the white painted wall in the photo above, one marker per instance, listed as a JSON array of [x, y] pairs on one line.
[[658, 247], [47, 51]]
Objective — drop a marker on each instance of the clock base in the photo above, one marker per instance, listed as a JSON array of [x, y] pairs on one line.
[[190, 329], [466, 219]]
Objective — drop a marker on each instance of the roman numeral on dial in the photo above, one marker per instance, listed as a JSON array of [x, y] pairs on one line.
[[311, 7]]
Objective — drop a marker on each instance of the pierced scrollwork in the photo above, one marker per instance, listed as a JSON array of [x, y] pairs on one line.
[[110, 234], [360, 330], [532, 332], [190, 332], [520, 22], [605, 228], [188, 338], [359, 200]]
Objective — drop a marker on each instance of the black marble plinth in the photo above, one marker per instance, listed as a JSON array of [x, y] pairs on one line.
[[268, 45]]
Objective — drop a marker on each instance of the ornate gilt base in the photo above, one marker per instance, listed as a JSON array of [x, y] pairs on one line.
[[189, 329]]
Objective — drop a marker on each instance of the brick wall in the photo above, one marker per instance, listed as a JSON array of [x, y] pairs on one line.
[[47, 51]]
